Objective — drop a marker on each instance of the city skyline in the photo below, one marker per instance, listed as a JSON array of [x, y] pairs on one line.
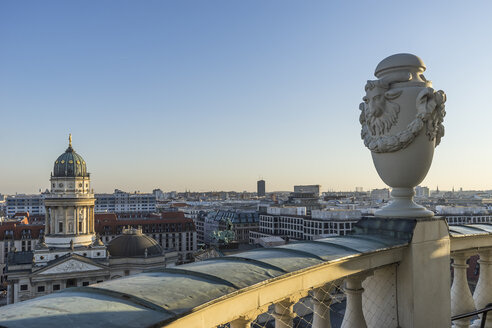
[[211, 96]]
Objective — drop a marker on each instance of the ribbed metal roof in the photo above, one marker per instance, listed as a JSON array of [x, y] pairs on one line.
[[161, 296], [470, 229], [234, 216]]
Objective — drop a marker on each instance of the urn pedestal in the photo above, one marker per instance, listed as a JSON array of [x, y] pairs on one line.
[[401, 119]]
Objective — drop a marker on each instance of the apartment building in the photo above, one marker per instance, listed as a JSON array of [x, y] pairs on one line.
[[34, 204], [124, 202]]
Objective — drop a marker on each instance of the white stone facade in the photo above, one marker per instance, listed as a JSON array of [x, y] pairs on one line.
[[304, 227]]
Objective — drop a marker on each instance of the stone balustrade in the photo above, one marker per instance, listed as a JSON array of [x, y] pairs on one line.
[[389, 273], [468, 241], [376, 309]]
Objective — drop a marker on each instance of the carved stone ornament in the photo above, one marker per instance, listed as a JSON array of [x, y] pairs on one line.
[[401, 119], [379, 113], [71, 266]]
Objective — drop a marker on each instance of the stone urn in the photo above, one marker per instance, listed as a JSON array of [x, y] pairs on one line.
[[401, 122]]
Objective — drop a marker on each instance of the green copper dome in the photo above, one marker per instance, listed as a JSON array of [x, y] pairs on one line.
[[70, 164], [133, 243]]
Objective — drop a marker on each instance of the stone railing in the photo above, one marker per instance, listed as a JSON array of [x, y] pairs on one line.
[[467, 241], [389, 273], [263, 284]]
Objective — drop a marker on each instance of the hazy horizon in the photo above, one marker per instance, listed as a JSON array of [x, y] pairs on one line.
[[195, 95]]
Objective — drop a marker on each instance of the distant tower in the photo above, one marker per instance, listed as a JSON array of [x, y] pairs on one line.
[[260, 190]]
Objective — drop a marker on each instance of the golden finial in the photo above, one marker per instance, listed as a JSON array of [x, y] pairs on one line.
[[70, 140]]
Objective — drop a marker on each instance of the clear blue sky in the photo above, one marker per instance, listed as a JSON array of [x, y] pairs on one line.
[[210, 95]]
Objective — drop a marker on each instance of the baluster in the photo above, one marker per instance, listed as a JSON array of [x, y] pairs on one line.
[[321, 299], [354, 317], [284, 314], [461, 297], [241, 322], [483, 290]]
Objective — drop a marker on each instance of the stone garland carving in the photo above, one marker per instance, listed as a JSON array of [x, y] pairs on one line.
[[379, 113]]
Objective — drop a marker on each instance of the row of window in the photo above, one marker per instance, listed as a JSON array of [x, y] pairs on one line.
[[55, 287], [301, 233]]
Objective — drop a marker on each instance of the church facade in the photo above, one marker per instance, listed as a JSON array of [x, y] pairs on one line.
[[70, 254]]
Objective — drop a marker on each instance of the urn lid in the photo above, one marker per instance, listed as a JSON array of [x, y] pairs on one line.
[[399, 61]]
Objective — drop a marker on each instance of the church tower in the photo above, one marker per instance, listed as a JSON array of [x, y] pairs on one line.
[[70, 204], [69, 223]]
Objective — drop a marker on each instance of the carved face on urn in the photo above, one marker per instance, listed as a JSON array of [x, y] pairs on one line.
[[380, 113]]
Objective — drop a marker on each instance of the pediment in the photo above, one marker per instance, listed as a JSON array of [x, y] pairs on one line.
[[70, 265]]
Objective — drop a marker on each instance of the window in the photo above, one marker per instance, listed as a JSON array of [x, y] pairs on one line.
[[71, 283], [23, 287], [56, 287], [127, 272], [60, 226], [85, 283], [40, 289]]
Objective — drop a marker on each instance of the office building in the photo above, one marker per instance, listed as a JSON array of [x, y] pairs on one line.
[[260, 188], [295, 223], [124, 202]]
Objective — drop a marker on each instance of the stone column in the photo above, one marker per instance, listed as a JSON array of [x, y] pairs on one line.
[[461, 297], [53, 219], [48, 222], [65, 224], [85, 221], [354, 317], [89, 223], [321, 299], [16, 291], [284, 314], [10, 293], [91, 219], [483, 291], [76, 219]]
